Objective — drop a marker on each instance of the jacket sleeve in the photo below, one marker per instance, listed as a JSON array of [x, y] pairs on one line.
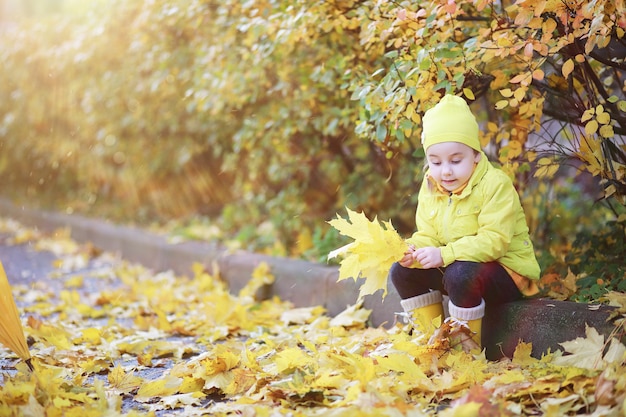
[[496, 226], [426, 234]]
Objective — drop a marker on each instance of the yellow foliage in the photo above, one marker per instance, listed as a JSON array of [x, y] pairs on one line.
[[260, 276], [123, 381], [275, 359], [401, 363], [375, 248], [159, 388], [292, 358], [546, 168]]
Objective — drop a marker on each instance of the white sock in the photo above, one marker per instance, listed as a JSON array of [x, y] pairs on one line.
[[467, 314], [422, 300]]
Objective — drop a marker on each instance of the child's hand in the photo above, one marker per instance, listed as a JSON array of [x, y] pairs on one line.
[[429, 257], [408, 259]]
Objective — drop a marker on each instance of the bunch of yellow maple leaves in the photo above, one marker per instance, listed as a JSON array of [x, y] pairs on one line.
[[123, 340]]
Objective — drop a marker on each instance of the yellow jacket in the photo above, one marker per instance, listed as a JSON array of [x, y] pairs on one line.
[[484, 222]]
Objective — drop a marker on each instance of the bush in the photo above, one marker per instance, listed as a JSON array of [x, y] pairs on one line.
[[597, 258]]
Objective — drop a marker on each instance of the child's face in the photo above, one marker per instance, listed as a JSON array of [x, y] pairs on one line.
[[451, 164]]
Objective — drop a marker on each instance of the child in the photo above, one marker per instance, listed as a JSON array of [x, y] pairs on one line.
[[472, 239]]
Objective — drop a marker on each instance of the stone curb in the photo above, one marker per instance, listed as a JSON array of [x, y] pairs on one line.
[[544, 323]]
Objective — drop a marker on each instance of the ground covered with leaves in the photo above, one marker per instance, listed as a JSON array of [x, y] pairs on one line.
[[124, 340]]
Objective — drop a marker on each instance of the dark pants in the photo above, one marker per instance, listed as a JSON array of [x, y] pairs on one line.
[[466, 283]]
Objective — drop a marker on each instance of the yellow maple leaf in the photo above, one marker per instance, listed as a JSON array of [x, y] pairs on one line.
[[446, 381], [90, 336], [588, 352], [468, 368], [292, 358], [61, 402], [301, 315], [402, 364], [220, 381], [615, 299], [359, 368], [162, 387], [122, 381], [502, 381], [375, 248], [522, 355], [17, 392], [353, 316], [50, 334], [242, 380], [190, 384], [181, 400], [330, 378], [583, 352], [224, 360]]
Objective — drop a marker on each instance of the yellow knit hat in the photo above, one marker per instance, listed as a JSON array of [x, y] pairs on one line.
[[451, 120]]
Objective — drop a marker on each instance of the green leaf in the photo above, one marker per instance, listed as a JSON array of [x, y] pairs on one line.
[[381, 132]]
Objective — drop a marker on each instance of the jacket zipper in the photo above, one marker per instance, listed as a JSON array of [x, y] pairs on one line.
[[447, 219]]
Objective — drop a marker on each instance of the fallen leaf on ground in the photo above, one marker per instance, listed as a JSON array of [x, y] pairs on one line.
[[129, 341]]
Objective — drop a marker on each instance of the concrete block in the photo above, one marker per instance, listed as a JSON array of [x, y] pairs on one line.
[[543, 322]]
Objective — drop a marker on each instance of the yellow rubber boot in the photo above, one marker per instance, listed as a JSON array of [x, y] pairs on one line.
[[470, 317], [424, 312], [475, 327]]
